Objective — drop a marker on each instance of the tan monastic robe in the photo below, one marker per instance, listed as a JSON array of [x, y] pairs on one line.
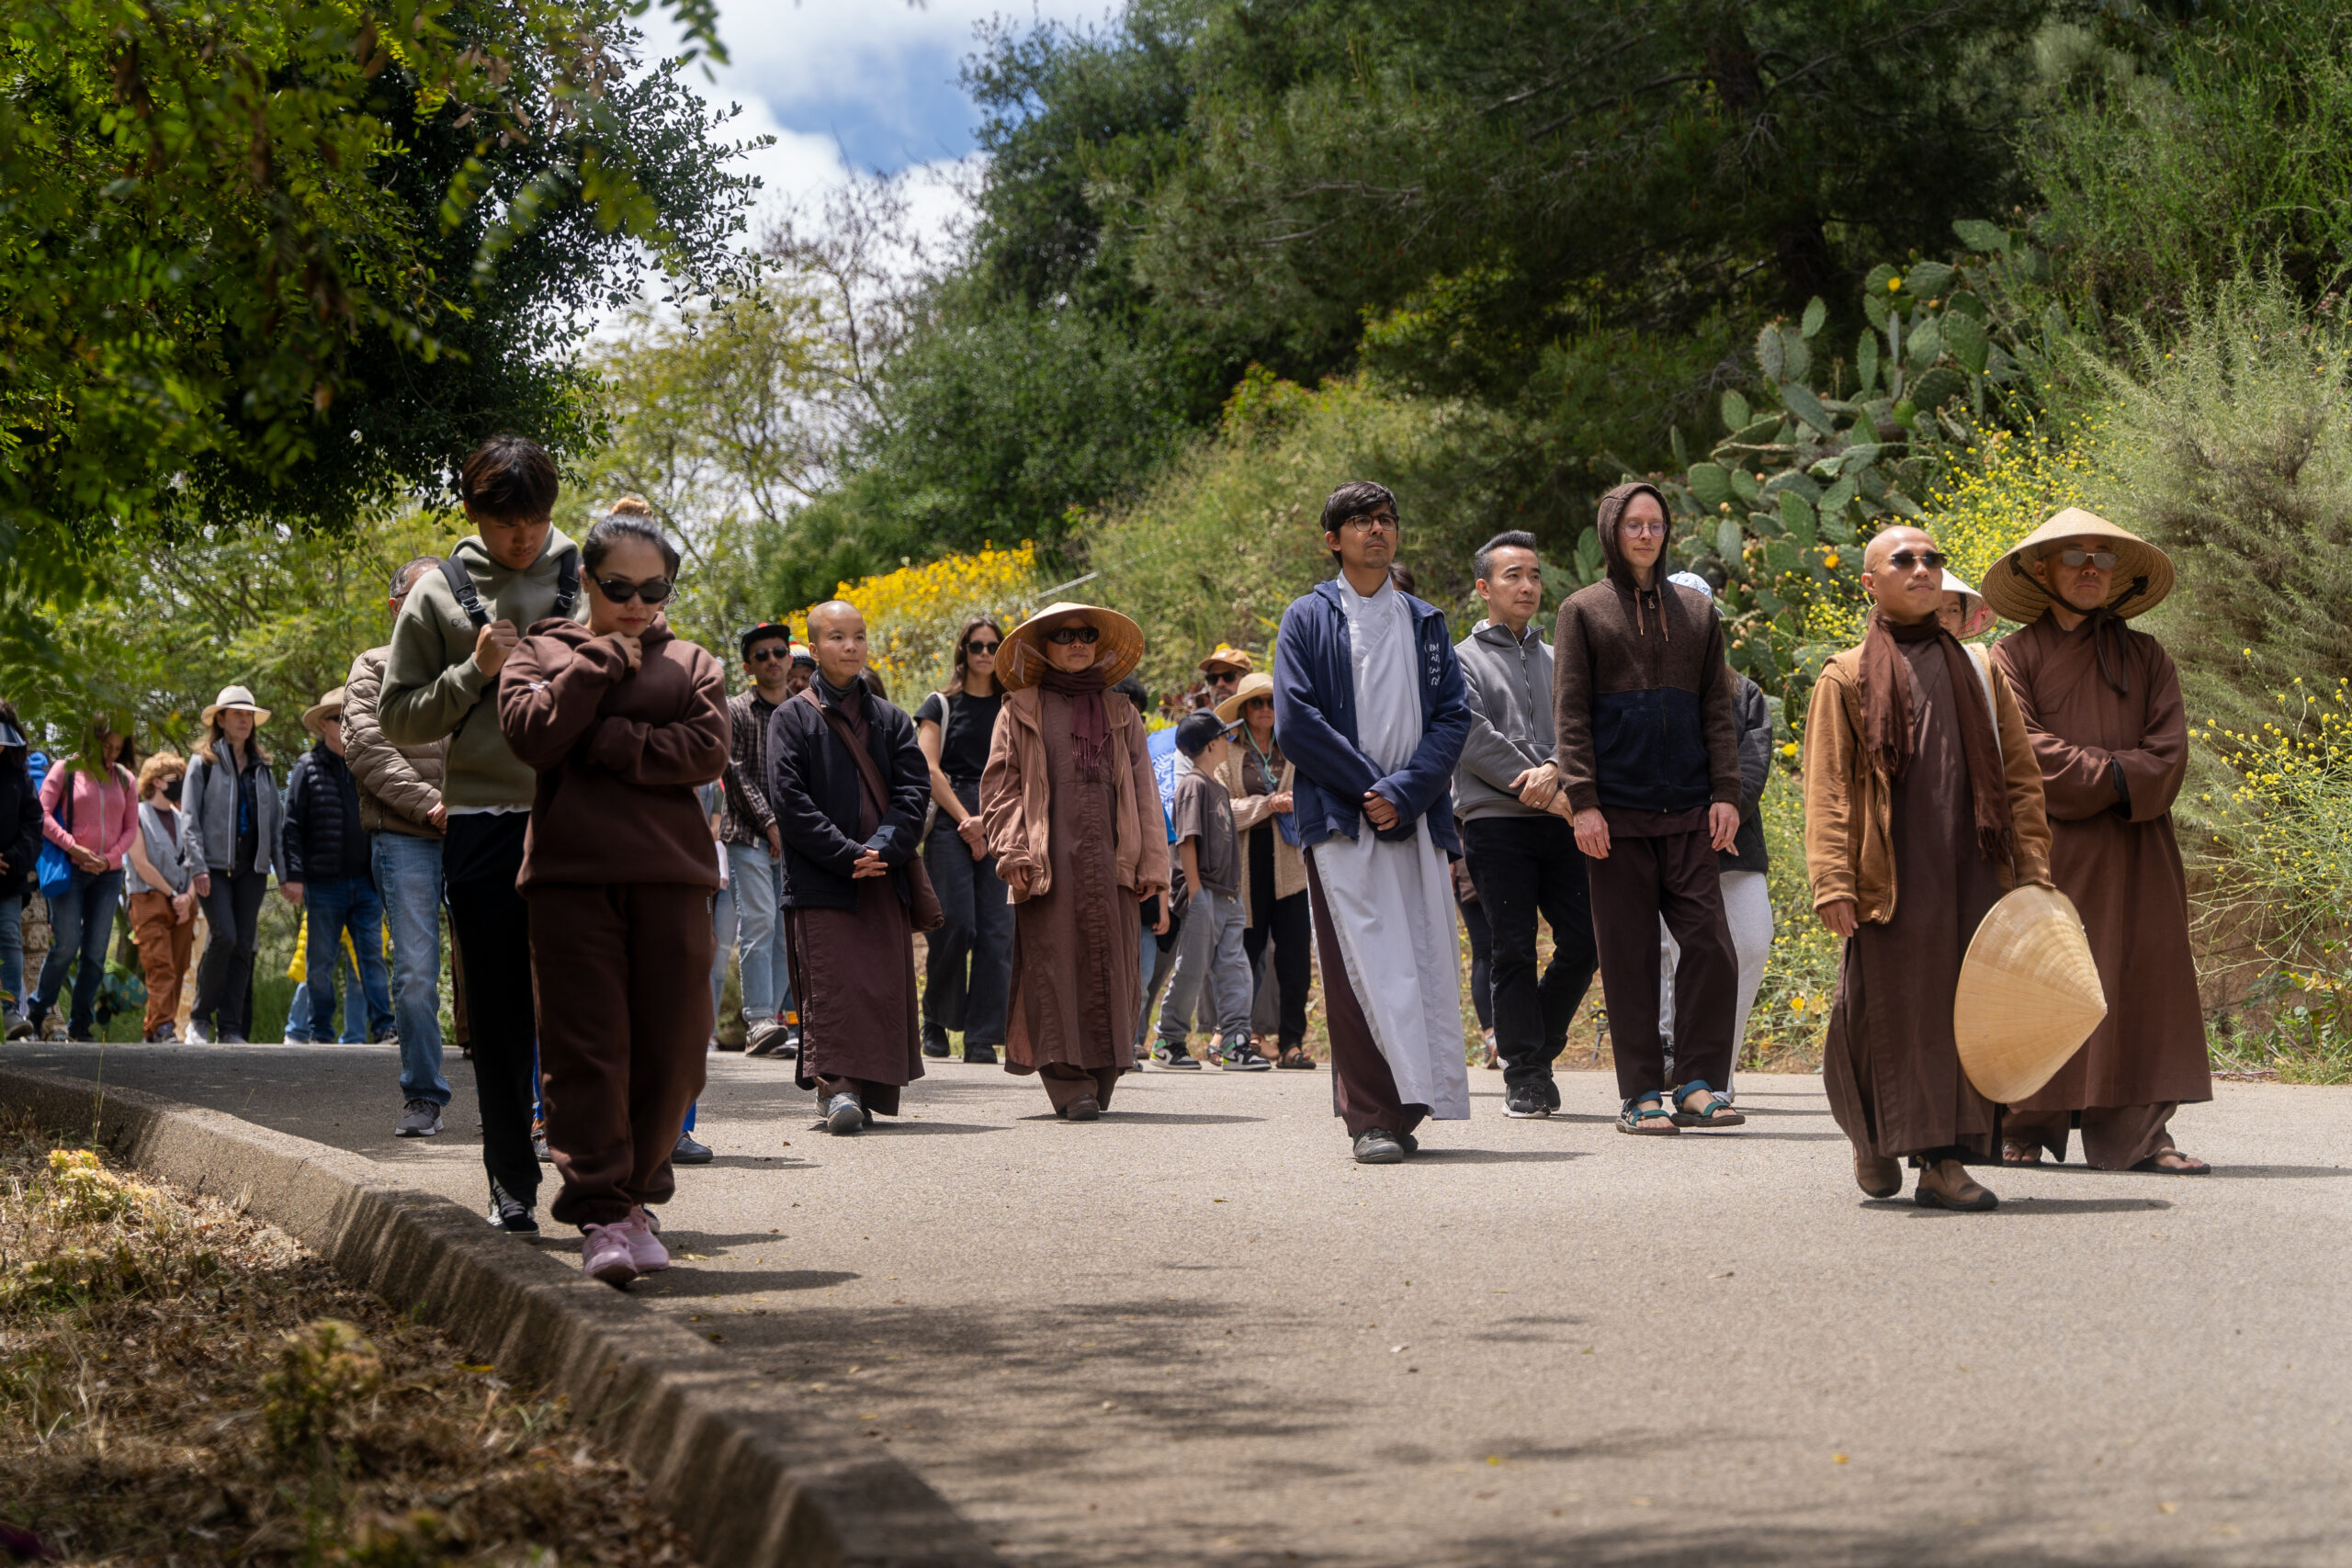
[[2115, 856]]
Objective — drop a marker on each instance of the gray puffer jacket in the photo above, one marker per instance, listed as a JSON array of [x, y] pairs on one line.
[[1510, 729], [209, 811]]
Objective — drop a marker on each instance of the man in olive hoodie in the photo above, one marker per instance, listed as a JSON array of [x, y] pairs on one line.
[[440, 679], [1648, 757]]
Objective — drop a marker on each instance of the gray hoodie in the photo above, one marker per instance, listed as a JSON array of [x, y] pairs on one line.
[[1510, 724]]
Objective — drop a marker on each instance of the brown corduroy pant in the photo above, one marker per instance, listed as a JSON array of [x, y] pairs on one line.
[[1639, 881], [624, 996], [163, 947]]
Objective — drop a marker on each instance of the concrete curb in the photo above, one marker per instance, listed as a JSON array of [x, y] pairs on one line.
[[755, 1480]]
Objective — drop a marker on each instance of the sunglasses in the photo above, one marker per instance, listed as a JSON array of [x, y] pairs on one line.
[[1254, 704], [764, 655], [1225, 677], [2103, 559], [652, 591], [1068, 635], [988, 647], [1904, 560]]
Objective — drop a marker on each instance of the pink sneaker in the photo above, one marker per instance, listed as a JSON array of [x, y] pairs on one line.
[[605, 1254], [645, 1248]]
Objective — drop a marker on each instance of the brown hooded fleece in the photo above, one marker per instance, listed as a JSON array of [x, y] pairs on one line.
[[1641, 696], [619, 754]]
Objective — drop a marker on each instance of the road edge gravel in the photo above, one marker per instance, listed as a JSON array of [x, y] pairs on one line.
[[754, 1478]]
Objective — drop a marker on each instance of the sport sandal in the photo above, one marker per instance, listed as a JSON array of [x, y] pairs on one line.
[[1646, 1121]]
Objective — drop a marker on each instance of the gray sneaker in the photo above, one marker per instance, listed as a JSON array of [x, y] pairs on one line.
[[843, 1115], [1174, 1058], [18, 1026], [419, 1119]]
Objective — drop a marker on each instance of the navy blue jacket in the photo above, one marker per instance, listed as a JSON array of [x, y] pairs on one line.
[[322, 840], [1315, 717], [813, 786]]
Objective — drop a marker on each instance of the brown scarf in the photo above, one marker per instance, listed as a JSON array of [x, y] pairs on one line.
[[1886, 724], [1090, 721]]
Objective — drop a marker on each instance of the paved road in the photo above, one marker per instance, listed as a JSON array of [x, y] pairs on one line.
[[1193, 1332]]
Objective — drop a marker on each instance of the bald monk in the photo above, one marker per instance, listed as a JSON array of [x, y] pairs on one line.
[[2102, 705], [847, 783], [1923, 806]]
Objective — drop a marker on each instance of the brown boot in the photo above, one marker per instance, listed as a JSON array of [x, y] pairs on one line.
[[1877, 1175], [1946, 1185]]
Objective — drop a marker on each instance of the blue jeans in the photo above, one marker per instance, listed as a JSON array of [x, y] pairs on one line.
[[722, 942], [298, 1011], [12, 952], [346, 903], [80, 918], [408, 874], [758, 931]]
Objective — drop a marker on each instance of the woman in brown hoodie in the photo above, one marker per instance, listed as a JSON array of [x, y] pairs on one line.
[[622, 721]]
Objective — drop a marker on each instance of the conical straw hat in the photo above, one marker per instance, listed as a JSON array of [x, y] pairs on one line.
[[2029, 995], [1021, 663], [2143, 573]]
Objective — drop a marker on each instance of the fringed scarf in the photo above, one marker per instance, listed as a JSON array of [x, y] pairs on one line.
[[1090, 721], [1886, 724]]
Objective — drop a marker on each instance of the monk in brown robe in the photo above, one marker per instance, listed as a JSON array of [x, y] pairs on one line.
[[1919, 782], [2102, 704], [1072, 815], [847, 783]]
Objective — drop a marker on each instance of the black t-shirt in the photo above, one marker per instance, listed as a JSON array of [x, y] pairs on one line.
[[967, 723]]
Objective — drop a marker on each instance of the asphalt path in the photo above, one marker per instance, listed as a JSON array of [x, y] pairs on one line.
[[1195, 1332]]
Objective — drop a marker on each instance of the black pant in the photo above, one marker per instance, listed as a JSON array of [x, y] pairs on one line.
[[1673, 877], [224, 981], [967, 963], [1482, 959], [491, 927], [1524, 866], [1288, 923]]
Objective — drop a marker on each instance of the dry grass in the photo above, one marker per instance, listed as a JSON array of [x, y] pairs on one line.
[[182, 1385]]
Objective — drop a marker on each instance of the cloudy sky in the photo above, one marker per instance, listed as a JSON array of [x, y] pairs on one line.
[[869, 84]]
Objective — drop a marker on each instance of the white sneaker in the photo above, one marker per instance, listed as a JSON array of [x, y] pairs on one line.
[[197, 1034]]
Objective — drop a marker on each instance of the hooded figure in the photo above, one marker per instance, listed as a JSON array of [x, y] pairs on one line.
[[1648, 759]]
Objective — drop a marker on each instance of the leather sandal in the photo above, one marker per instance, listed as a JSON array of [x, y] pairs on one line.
[[2020, 1154]]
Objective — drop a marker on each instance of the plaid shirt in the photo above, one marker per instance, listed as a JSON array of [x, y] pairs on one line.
[[745, 816]]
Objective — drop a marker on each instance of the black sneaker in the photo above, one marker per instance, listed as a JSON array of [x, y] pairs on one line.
[[18, 1026], [419, 1119], [1526, 1099], [934, 1042], [1242, 1056], [1174, 1058], [689, 1152], [510, 1213], [539, 1140], [1376, 1146], [980, 1055]]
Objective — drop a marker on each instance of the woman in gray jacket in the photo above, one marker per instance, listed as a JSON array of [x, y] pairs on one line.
[[228, 823]]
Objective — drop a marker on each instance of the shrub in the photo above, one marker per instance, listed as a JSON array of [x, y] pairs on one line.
[[913, 614]]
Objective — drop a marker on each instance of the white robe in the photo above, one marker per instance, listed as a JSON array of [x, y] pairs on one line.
[[1392, 905]]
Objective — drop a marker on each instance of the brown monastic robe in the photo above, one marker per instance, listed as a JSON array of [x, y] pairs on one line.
[[1890, 1065], [1076, 980], [853, 974], [2115, 856]]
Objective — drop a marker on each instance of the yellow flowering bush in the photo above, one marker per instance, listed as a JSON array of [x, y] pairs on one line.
[[913, 614]]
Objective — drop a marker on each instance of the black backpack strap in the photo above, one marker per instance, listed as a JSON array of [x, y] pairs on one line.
[[567, 583], [461, 588]]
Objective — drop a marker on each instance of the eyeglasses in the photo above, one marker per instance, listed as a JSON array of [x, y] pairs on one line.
[[978, 647], [620, 590], [1068, 635], [2102, 560], [1374, 520], [1643, 529], [1904, 560], [763, 655]]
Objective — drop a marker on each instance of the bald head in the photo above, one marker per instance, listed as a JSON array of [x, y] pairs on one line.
[[1904, 573], [837, 636]]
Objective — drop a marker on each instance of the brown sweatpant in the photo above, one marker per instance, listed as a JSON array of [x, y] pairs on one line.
[[624, 998], [164, 945], [1363, 1091], [2115, 1137], [1639, 881]]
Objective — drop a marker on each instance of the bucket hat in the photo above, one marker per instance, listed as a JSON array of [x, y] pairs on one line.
[[2029, 995], [1257, 683], [318, 711], [2141, 578], [238, 697], [1118, 648]]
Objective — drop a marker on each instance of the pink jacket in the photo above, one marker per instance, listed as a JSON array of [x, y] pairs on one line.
[[105, 817]]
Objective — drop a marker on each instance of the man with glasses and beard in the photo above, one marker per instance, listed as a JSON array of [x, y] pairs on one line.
[[1922, 807], [1370, 704], [2102, 704], [754, 847]]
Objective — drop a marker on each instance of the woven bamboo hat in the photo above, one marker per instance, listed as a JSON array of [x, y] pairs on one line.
[[2143, 573], [1257, 683], [1975, 615], [1118, 648], [313, 715], [2029, 995]]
